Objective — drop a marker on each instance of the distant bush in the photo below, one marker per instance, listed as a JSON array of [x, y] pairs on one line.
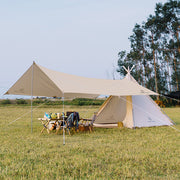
[[49, 102], [75, 102], [165, 102], [56, 102], [159, 103], [21, 101], [6, 101], [86, 102], [38, 101]]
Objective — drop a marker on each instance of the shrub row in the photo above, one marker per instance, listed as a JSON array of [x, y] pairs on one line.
[[162, 102], [17, 101], [77, 102]]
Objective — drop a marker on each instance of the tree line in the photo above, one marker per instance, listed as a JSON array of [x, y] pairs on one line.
[[155, 50]]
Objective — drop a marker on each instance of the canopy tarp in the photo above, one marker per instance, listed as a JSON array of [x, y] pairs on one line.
[[40, 81]]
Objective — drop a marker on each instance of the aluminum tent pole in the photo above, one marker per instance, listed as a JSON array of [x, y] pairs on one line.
[[63, 121], [32, 97]]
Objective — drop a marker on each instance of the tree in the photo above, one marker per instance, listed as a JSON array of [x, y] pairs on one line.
[[138, 42], [153, 35], [155, 49], [168, 17]]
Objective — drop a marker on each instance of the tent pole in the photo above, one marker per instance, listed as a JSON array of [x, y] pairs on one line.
[[63, 122], [32, 97]]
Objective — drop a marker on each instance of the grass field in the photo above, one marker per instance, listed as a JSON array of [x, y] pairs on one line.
[[146, 153]]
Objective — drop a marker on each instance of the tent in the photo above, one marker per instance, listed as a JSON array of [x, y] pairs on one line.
[[40, 81], [132, 111], [128, 102]]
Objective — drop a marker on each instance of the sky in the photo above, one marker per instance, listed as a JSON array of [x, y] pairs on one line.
[[80, 37]]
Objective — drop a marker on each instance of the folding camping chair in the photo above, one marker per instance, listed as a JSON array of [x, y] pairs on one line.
[[45, 122], [51, 124]]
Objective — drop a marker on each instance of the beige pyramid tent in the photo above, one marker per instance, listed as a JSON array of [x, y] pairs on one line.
[[132, 111]]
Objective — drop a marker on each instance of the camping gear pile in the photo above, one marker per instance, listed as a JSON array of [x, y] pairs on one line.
[[56, 121], [85, 125]]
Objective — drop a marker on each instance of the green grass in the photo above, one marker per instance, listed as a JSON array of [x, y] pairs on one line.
[[143, 153]]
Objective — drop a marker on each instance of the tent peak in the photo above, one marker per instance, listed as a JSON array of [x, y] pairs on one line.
[[128, 70]]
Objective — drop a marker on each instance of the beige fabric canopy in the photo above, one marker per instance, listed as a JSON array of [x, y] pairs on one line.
[[40, 81]]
